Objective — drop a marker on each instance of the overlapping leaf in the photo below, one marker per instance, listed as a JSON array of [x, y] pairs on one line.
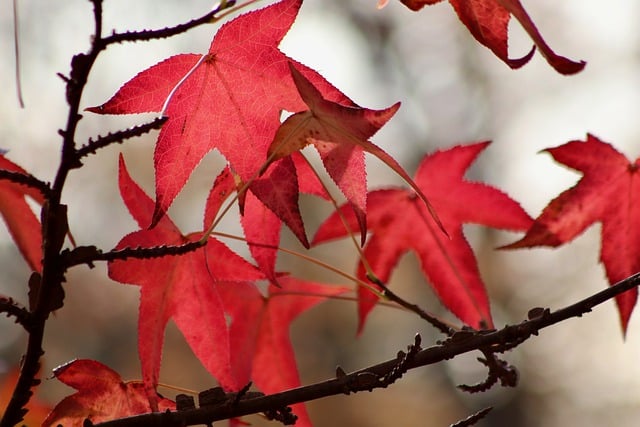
[[608, 192], [488, 22], [340, 133], [22, 223], [181, 288], [261, 350], [102, 396], [399, 222]]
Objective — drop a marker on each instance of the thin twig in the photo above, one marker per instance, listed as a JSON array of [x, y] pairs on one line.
[[26, 179], [118, 137], [431, 319], [14, 309], [146, 35]]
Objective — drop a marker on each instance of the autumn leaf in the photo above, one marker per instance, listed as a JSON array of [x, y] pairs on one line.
[[488, 22], [340, 133], [608, 192], [231, 100], [261, 349], [102, 396], [399, 222], [21, 221], [182, 288]]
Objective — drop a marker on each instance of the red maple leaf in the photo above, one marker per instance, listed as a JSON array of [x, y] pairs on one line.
[[608, 192], [341, 134], [488, 22], [261, 350], [183, 288], [102, 396], [230, 100], [22, 223], [399, 222]]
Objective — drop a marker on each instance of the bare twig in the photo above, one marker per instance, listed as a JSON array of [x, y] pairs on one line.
[[14, 309], [118, 137], [26, 179], [146, 35]]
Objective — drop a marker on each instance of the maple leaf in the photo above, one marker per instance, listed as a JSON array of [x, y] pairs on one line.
[[231, 100], [340, 133], [488, 22], [181, 287], [102, 396], [399, 222], [260, 345], [608, 192], [21, 221]]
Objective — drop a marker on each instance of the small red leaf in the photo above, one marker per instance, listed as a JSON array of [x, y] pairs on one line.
[[340, 133], [488, 22], [102, 396], [608, 192]]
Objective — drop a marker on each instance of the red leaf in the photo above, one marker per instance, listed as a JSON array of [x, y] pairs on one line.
[[183, 288], [23, 224], [608, 192], [399, 222], [488, 22], [231, 101], [340, 133], [102, 396], [260, 346]]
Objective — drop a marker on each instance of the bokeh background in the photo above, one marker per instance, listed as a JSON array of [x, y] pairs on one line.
[[579, 373]]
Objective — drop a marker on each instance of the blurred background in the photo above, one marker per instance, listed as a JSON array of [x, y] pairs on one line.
[[582, 372]]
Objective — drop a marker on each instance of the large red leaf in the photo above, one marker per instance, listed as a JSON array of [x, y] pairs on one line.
[[260, 346], [399, 222], [608, 192], [102, 396], [231, 100], [182, 288], [22, 223], [488, 22]]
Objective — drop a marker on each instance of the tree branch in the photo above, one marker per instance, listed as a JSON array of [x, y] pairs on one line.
[[11, 308], [495, 341], [26, 179], [146, 35], [118, 137]]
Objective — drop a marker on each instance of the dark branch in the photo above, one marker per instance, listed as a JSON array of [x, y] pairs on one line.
[[89, 254], [369, 378], [118, 137], [146, 35], [26, 179], [13, 309]]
